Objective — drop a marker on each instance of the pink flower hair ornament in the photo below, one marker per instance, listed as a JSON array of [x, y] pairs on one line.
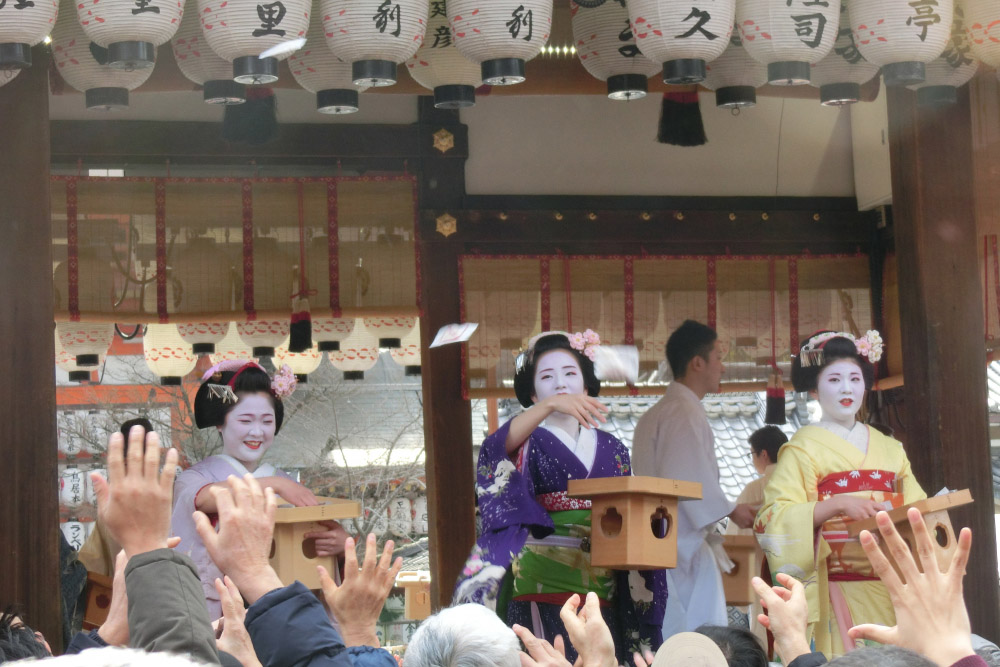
[[283, 382], [869, 346], [585, 342]]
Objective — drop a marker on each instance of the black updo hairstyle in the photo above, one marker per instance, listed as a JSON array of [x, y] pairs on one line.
[[524, 379], [806, 378], [211, 410]]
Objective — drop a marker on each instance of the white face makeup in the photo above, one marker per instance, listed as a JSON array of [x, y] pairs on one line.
[[249, 429], [557, 372], [840, 389]]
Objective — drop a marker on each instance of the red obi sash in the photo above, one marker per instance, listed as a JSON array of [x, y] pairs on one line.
[[856, 480], [559, 501]]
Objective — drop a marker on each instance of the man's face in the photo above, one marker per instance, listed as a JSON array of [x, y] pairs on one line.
[[710, 371]]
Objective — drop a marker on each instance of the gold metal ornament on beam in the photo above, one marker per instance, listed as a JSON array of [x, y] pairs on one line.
[[446, 225], [444, 140]]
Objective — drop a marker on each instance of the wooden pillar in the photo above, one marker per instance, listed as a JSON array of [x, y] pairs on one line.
[[944, 359], [29, 520], [451, 498]]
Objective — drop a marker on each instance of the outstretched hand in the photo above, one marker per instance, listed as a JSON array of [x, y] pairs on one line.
[[358, 601], [234, 639], [134, 503], [242, 546], [931, 617], [540, 653], [584, 408], [787, 615], [588, 633]]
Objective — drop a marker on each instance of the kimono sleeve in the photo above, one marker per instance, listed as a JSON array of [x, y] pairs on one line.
[[784, 525], [505, 494], [908, 484]]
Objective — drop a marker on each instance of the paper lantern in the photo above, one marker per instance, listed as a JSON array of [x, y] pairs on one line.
[[199, 63], [788, 35], [357, 354], [439, 66], [86, 341], [240, 31], [67, 362], [374, 36], [232, 347], [263, 335], [735, 77], [901, 36], [67, 437], [327, 332], [301, 363], [74, 532], [407, 354], [24, 24], [203, 272], [682, 36], [607, 48], [389, 330], [400, 517], [501, 35], [84, 65], [166, 353], [840, 74], [320, 72], [72, 483], [202, 336], [130, 29], [982, 23], [91, 495], [955, 67], [420, 522]]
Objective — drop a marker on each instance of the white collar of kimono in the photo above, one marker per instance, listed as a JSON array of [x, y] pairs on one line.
[[584, 447], [263, 470], [857, 436]]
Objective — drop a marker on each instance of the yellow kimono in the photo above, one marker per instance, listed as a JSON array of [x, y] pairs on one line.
[[841, 588]]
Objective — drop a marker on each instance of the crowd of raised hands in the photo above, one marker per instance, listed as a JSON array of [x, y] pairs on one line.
[[158, 604]]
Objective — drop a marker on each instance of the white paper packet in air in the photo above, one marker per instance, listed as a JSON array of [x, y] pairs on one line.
[[617, 363]]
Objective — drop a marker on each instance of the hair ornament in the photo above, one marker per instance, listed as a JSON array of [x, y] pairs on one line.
[[585, 342], [283, 383], [869, 346]]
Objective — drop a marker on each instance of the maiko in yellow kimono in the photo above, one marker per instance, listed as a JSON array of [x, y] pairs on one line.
[[841, 588]]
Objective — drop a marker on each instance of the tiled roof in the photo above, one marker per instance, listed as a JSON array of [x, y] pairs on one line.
[[993, 399]]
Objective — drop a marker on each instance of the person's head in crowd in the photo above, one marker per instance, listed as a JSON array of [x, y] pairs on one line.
[[764, 445], [836, 368], [552, 364], [138, 421], [466, 635], [882, 656], [695, 357], [113, 656], [18, 641], [739, 646], [244, 403]]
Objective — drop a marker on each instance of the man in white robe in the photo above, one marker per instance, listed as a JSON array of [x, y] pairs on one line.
[[674, 440]]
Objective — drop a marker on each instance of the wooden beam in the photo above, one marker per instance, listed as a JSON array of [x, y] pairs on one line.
[[29, 521], [942, 324]]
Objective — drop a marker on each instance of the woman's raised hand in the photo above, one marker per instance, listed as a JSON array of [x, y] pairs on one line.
[[290, 491], [585, 409], [857, 509]]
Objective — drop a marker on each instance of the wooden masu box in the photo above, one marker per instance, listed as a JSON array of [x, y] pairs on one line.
[[98, 600], [417, 594], [935, 515], [746, 555], [634, 520], [293, 557]]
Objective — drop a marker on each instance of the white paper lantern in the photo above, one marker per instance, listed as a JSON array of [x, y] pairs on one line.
[[607, 48], [982, 23], [66, 361], [72, 482], [24, 23], [379, 523], [68, 440], [735, 77], [357, 354], [389, 330], [130, 29], [901, 36], [320, 72], [91, 493], [501, 35], [86, 341], [788, 35], [840, 74], [327, 332], [240, 31], [682, 36], [439, 66], [263, 335], [76, 59], [167, 354], [420, 522], [74, 533], [407, 354], [199, 63], [301, 363], [955, 67], [232, 347], [400, 517], [202, 336], [374, 36]]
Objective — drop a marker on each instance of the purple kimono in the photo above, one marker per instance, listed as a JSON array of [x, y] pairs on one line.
[[533, 551]]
